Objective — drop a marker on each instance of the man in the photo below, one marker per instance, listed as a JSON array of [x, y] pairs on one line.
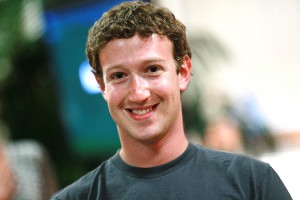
[[141, 60]]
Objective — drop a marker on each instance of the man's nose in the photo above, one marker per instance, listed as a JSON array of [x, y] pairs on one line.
[[139, 89]]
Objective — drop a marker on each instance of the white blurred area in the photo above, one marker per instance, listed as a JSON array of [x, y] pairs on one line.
[[263, 44], [287, 165]]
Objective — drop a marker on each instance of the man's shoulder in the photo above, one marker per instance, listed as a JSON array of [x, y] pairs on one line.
[[233, 166], [231, 161], [80, 188]]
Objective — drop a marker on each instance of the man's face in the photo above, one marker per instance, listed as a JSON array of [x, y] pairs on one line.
[[142, 88]]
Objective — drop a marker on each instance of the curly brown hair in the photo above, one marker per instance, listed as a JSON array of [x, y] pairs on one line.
[[129, 18]]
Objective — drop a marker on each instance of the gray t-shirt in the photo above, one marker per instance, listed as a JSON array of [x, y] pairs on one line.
[[199, 173]]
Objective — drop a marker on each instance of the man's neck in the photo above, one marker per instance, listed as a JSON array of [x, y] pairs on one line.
[[153, 154]]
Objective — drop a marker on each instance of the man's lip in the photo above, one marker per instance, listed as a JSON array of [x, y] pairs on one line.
[[141, 110]]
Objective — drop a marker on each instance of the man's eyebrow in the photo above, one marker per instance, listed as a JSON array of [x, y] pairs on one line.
[[146, 61], [155, 59], [111, 67]]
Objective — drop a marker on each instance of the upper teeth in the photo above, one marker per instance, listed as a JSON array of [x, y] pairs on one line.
[[141, 111]]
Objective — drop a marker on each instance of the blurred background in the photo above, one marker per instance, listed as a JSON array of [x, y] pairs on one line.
[[243, 96]]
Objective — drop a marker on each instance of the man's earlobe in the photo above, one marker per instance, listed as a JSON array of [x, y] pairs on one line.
[[185, 73]]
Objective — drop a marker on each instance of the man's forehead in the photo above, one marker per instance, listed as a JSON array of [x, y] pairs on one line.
[[135, 43], [137, 49]]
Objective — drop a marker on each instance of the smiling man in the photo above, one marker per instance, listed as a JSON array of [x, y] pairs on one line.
[[142, 89], [141, 61]]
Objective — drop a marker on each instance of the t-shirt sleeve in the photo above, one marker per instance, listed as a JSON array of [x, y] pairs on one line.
[[271, 187]]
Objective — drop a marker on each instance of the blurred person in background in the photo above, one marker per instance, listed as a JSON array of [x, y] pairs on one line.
[[224, 135], [141, 61], [7, 179], [25, 172], [25, 168]]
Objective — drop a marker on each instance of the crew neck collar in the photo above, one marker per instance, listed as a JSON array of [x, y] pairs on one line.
[[152, 172]]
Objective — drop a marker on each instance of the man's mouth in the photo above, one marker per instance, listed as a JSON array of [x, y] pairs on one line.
[[142, 111]]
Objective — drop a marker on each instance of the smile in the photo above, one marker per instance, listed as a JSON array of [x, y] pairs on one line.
[[142, 111]]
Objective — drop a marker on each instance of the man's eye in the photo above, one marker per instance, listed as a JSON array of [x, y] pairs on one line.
[[153, 69], [118, 75]]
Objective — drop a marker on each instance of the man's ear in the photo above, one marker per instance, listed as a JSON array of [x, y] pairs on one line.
[[101, 86], [185, 73]]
